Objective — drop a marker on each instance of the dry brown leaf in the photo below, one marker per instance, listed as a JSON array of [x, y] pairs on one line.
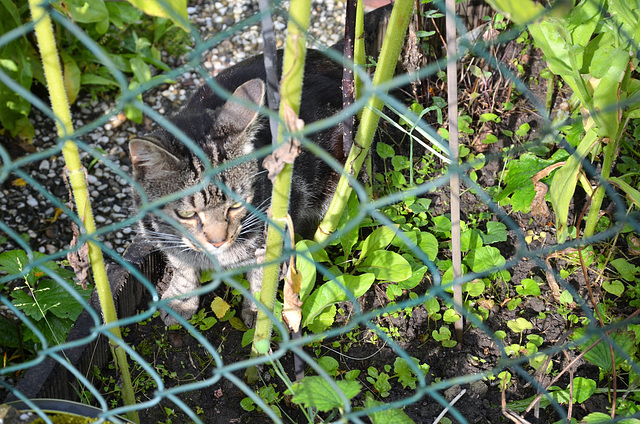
[[79, 259], [291, 311], [539, 208], [287, 151]]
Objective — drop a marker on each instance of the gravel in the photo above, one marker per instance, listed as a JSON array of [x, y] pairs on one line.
[[25, 211]]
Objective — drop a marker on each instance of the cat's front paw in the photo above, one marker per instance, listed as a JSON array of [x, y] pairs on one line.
[[185, 307], [249, 312]]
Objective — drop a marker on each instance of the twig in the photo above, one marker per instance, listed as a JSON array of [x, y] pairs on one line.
[[445, 410]]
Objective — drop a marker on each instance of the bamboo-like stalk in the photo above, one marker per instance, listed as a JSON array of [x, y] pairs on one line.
[[290, 96], [76, 174], [391, 47], [454, 178]]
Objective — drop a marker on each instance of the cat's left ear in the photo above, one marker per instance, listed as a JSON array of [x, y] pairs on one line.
[[240, 114]]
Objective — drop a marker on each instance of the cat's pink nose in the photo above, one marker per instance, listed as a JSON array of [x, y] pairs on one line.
[[217, 244]]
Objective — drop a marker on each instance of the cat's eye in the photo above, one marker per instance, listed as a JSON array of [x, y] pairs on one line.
[[186, 214], [236, 205]]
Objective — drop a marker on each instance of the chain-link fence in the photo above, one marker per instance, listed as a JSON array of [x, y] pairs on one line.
[[548, 234]]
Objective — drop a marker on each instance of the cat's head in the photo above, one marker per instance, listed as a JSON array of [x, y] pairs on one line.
[[217, 214]]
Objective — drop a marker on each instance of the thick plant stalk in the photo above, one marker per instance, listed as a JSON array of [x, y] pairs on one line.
[[454, 178], [290, 95], [76, 174], [391, 47]]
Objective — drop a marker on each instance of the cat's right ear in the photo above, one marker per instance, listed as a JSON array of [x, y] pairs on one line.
[[150, 160], [239, 115]]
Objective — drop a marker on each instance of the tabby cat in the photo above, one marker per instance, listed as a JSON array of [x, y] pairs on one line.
[[216, 227]]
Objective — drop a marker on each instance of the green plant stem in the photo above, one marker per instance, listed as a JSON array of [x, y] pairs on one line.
[[291, 93], [76, 174], [391, 46], [598, 196]]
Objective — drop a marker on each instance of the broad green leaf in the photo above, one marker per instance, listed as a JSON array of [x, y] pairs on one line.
[[432, 305], [528, 287], [564, 183], [443, 333], [316, 392], [384, 150], [442, 224], [470, 240], [632, 193], [615, 287], [85, 11], [94, 79], [450, 316], [329, 364], [518, 181], [626, 270], [519, 325], [602, 418], [519, 11], [177, 10], [386, 266], [606, 94], [386, 416], [379, 239], [72, 76], [554, 40], [306, 268], [141, 70], [331, 292], [484, 258], [583, 388], [428, 243], [496, 232], [415, 279], [474, 288], [600, 354], [323, 321]]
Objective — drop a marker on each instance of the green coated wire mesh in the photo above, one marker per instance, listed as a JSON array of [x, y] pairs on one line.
[[550, 312]]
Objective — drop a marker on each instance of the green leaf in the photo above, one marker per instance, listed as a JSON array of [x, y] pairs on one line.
[[474, 288], [631, 193], [484, 258], [384, 150], [450, 316], [316, 392], [470, 240], [329, 364], [602, 418], [386, 416], [520, 12], [85, 12], [528, 287], [306, 268], [379, 239], [583, 388], [496, 232], [519, 325], [400, 162], [600, 354], [331, 292], [564, 183], [615, 287], [443, 333], [565, 297], [72, 76], [323, 321], [177, 10], [386, 266]]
